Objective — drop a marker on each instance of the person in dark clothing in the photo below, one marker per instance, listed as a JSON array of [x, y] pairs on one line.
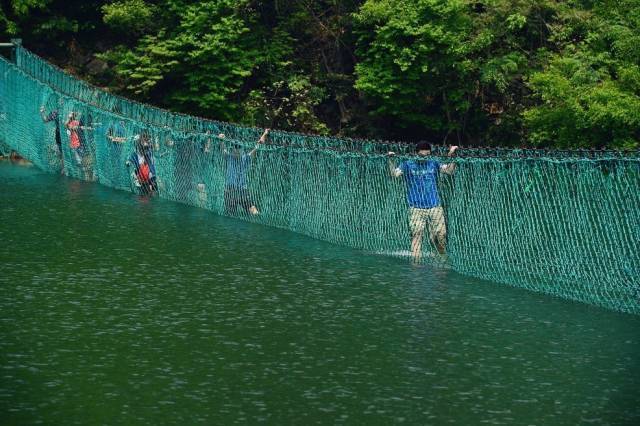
[[236, 191], [54, 117], [143, 165]]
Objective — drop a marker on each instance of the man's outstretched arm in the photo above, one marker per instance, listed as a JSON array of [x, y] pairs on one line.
[[262, 139], [117, 139], [47, 118], [394, 170], [111, 135], [451, 167], [223, 147]]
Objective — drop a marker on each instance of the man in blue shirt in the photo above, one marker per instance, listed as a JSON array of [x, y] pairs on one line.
[[236, 190], [425, 207]]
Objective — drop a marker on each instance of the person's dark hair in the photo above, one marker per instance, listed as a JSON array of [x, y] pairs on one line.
[[423, 146]]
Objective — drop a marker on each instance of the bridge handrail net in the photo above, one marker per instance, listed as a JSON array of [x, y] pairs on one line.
[[565, 223]]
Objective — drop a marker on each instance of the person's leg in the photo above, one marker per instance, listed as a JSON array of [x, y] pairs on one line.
[[116, 163], [417, 222], [57, 149], [226, 201], [247, 204], [230, 201], [438, 229], [91, 166], [61, 153], [144, 188], [79, 166], [416, 246], [202, 195], [87, 168]]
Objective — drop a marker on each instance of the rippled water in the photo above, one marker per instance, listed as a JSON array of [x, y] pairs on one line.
[[121, 310]]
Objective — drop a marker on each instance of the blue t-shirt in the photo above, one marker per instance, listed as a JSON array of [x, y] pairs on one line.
[[237, 168], [422, 183]]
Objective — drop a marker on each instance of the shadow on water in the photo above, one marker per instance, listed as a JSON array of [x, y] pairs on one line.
[[120, 309]]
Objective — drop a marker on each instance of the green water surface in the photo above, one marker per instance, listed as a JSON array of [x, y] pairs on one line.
[[116, 309]]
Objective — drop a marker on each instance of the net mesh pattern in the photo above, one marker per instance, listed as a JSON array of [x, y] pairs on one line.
[[565, 223]]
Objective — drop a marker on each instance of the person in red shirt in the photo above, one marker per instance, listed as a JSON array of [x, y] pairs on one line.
[[144, 170], [76, 143]]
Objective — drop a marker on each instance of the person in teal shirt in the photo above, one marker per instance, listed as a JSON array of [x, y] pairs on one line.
[[236, 190], [425, 205]]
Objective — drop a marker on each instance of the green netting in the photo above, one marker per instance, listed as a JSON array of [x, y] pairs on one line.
[[562, 223], [82, 91]]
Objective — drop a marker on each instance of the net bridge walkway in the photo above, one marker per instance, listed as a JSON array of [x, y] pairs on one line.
[[564, 223]]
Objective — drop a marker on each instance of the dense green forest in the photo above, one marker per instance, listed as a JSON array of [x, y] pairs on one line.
[[541, 73]]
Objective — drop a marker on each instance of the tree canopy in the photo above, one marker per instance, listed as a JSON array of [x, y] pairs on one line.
[[543, 73]]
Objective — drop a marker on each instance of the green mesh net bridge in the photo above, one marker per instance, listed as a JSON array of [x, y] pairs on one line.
[[565, 223]]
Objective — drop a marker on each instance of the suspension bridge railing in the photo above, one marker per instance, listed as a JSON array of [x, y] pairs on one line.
[[561, 223]]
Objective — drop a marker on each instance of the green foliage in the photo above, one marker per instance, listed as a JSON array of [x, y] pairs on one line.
[[589, 92], [293, 108], [562, 73], [203, 61], [216, 58], [141, 70], [128, 15], [17, 10], [500, 71], [449, 69], [413, 60], [47, 25], [24, 7]]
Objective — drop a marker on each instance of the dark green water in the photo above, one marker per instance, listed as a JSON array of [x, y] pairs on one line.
[[121, 310]]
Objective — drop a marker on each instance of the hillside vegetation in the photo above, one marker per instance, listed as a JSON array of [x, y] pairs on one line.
[[542, 73]]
